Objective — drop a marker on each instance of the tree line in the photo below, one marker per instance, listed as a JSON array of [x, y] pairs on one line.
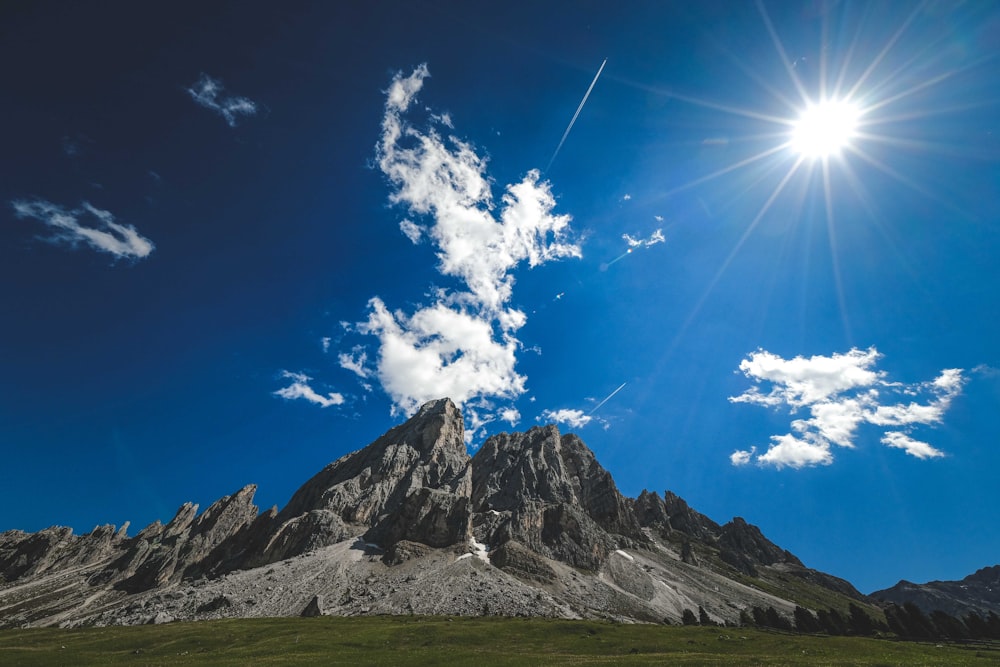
[[907, 622]]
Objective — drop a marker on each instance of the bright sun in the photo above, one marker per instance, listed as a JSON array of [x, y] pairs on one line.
[[824, 129]]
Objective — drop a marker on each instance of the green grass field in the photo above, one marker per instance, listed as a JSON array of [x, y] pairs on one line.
[[479, 642]]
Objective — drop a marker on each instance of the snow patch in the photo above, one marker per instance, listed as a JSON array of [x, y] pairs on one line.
[[622, 553], [480, 550], [463, 557]]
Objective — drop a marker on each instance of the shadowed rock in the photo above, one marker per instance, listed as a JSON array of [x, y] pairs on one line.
[[552, 496]]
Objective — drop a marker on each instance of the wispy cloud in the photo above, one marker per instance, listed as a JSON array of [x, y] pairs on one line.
[[840, 393], [464, 343], [571, 418], [412, 231], [209, 93], [299, 388], [912, 447], [67, 227], [654, 238], [355, 361]]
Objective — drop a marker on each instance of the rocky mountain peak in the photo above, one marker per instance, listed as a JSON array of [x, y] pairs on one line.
[[413, 482], [744, 547], [548, 492]]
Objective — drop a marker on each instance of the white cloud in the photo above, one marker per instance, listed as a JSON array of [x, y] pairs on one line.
[[463, 344], [571, 418], [841, 392], [325, 342], [912, 447], [654, 238], [208, 92], [412, 231], [801, 381], [741, 457], [299, 388], [440, 351], [355, 361], [510, 415], [787, 450], [105, 235], [626, 197], [658, 218]]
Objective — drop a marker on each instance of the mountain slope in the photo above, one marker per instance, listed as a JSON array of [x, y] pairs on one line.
[[531, 525]]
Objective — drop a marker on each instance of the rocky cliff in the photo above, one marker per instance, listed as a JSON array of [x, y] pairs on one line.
[[531, 525], [548, 492]]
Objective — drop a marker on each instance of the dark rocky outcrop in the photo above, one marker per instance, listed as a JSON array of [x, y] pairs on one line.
[[404, 550], [743, 546], [672, 513], [515, 558], [314, 608], [979, 592]]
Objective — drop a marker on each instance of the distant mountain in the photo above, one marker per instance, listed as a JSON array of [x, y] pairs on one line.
[[979, 592], [530, 525]]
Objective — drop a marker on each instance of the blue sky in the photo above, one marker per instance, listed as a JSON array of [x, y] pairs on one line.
[[239, 242]]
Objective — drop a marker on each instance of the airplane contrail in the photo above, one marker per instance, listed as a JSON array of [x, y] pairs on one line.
[[608, 397], [578, 110]]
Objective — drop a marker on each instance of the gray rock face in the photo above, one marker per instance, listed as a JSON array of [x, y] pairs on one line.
[[550, 494], [160, 555], [413, 483]]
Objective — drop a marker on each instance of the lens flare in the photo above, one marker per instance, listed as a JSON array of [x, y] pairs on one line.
[[825, 129]]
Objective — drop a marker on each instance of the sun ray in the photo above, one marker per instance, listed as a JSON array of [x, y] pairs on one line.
[[735, 251], [721, 172], [781, 51], [831, 231], [939, 148], [760, 81], [708, 104], [940, 110], [886, 169], [909, 91], [877, 60], [848, 58]]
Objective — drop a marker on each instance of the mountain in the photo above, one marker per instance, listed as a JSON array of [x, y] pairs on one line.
[[531, 525], [979, 592]]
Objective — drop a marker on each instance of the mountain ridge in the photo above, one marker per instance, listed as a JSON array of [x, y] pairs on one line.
[[978, 592], [532, 524]]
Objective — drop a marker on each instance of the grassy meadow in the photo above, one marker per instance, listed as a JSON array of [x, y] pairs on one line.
[[480, 642]]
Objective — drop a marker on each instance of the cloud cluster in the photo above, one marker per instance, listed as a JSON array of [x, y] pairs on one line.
[[208, 92], [840, 393], [571, 418], [463, 344], [299, 388], [103, 234]]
